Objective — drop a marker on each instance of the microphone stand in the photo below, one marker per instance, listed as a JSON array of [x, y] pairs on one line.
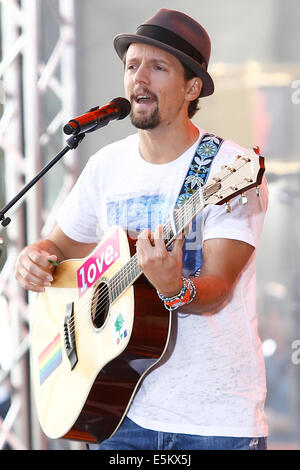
[[72, 143]]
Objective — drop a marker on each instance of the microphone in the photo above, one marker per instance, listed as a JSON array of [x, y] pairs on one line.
[[97, 117]]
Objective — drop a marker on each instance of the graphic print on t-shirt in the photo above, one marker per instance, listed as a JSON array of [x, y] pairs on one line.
[[139, 212]]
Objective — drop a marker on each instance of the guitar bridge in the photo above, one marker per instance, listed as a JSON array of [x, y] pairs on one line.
[[69, 335]]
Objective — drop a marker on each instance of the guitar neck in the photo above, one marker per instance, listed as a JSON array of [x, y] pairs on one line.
[[244, 173], [179, 220]]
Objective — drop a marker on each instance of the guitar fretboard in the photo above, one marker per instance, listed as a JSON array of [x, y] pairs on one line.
[[244, 173], [179, 220]]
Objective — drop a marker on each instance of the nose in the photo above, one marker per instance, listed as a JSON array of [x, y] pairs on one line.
[[142, 74]]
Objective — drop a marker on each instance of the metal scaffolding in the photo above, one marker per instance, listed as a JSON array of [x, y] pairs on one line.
[[26, 141]]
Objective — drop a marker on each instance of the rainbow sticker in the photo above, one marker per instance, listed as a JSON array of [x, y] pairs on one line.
[[50, 358]]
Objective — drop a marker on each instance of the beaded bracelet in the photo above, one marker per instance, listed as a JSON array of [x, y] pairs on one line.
[[184, 297]]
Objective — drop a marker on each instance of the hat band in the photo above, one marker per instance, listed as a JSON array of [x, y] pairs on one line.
[[171, 39]]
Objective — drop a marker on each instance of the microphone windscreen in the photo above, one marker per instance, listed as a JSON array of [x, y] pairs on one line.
[[124, 106]]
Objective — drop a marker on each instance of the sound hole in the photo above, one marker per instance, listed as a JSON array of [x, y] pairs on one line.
[[100, 305]]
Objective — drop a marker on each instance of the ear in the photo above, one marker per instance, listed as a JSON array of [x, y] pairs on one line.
[[194, 87]]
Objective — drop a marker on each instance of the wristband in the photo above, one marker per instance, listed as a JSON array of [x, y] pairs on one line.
[[184, 297]]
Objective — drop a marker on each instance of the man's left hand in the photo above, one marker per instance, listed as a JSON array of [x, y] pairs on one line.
[[162, 268]]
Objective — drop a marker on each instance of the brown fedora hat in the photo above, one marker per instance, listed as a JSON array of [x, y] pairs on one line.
[[179, 35]]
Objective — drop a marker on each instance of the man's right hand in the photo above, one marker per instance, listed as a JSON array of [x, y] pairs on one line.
[[33, 269]]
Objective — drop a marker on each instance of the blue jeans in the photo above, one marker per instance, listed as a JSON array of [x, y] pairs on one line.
[[130, 436]]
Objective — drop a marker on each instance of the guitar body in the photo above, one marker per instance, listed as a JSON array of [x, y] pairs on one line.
[[89, 355]]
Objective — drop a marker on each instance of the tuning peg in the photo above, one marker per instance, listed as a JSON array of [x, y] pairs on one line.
[[258, 190], [243, 199], [228, 208]]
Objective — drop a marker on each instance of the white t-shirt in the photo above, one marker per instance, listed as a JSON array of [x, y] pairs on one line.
[[212, 377]]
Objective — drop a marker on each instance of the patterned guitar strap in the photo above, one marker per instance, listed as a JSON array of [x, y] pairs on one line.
[[196, 177], [199, 168]]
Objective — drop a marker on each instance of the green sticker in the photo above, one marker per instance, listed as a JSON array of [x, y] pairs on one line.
[[119, 323]]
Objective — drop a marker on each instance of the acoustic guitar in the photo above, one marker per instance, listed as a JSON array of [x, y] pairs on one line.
[[100, 327]]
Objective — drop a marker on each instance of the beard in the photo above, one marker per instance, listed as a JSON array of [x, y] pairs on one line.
[[146, 122]]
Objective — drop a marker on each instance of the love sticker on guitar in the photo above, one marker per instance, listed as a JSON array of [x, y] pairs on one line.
[[98, 263]]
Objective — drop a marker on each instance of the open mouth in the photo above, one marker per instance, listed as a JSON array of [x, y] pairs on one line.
[[144, 98]]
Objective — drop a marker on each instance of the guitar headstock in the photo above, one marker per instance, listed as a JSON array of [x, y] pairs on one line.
[[244, 173]]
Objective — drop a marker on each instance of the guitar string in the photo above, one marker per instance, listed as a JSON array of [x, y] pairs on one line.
[[101, 299], [105, 298], [131, 266], [167, 228], [185, 214], [128, 269]]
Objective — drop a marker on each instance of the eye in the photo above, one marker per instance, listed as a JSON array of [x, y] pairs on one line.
[[130, 66], [160, 68]]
